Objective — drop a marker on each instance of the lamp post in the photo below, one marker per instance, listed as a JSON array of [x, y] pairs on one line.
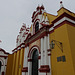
[[59, 44]]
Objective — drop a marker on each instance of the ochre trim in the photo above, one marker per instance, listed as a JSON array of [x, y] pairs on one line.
[[66, 9], [51, 31], [63, 15], [64, 22]]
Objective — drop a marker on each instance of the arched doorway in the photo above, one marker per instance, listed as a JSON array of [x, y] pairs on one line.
[[35, 62], [0, 67]]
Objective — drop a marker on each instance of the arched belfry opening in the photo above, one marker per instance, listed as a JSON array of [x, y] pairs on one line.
[[0, 67], [36, 27], [35, 62]]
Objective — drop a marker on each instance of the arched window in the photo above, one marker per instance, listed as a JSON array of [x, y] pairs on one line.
[[0, 67], [35, 63], [36, 27]]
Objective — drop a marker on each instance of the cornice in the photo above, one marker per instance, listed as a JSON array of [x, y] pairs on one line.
[[41, 33], [63, 15], [4, 51]]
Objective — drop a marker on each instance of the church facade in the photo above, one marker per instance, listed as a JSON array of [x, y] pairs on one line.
[[47, 47]]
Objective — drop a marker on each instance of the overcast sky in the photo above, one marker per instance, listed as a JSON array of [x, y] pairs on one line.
[[15, 12]]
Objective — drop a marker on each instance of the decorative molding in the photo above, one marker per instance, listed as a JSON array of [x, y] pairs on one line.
[[2, 62], [64, 22], [39, 57], [44, 68], [3, 51], [29, 60], [63, 15], [25, 69], [49, 50], [49, 54], [63, 19], [52, 28], [44, 32], [32, 49], [36, 21], [23, 45]]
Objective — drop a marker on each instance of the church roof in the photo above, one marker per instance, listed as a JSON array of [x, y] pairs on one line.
[[3, 51]]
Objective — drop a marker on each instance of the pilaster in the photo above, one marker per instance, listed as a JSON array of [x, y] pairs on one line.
[[42, 48], [25, 65]]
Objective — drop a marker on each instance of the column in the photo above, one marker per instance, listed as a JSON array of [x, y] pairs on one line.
[[27, 56], [49, 53], [42, 66], [42, 48], [48, 49], [27, 59], [39, 63], [45, 49], [24, 64], [29, 66]]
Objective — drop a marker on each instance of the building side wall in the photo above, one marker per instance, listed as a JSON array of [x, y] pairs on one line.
[[14, 60], [71, 35], [61, 68], [21, 59], [17, 62], [9, 65]]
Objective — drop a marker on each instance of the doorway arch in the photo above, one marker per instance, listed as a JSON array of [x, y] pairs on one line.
[[35, 62], [33, 51]]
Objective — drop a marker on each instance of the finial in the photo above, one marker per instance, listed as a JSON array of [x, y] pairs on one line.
[[60, 1], [43, 18], [38, 7], [42, 6], [61, 4], [24, 24], [28, 26], [46, 20]]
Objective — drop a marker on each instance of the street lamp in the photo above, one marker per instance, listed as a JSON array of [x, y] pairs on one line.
[[59, 44]]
